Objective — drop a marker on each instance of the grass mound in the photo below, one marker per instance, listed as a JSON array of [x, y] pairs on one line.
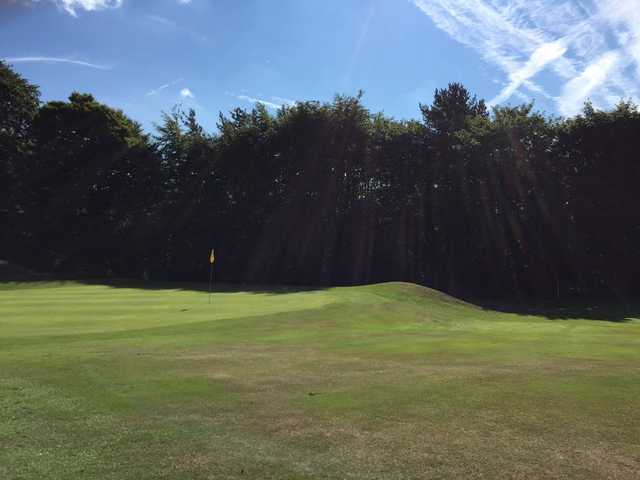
[[410, 292], [393, 380]]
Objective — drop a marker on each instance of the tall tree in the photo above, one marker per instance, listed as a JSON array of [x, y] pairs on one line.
[[448, 214], [507, 202], [187, 155], [93, 173], [600, 159], [19, 102]]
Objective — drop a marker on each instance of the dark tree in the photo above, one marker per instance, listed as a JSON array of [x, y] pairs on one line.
[[19, 101], [93, 177], [476, 203]]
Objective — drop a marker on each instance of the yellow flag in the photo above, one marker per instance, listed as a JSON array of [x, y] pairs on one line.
[[212, 257]]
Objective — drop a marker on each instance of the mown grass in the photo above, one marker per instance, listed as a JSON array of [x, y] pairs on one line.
[[383, 381]]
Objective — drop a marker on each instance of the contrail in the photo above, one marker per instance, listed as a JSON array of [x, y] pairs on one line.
[[54, 60]]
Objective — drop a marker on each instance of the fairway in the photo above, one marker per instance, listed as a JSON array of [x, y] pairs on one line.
[[393, 381]]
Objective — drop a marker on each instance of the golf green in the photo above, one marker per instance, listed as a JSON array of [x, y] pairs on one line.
[[131, 381]]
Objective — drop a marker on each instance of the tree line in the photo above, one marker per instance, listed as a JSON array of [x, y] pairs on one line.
[[470, 200]]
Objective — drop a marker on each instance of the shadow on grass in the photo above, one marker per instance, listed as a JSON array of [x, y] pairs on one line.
[[23, 281], [197, 286], [607, 310], [12, 275]]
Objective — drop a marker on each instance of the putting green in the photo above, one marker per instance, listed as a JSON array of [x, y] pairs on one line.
[[383, 381]]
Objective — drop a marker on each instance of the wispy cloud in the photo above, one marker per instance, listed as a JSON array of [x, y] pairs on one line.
[[624, 15], [72, 6], [157, 90], [283, 101], [162, 20], [588, 47], [275, 103], [365, 22], [540, 58], [55, 60], [174, 26], [579, 88], [90, 5]]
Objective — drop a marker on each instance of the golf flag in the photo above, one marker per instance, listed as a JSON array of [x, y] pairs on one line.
[[212, 258]]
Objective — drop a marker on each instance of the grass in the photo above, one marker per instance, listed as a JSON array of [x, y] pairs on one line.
[[383, 381]]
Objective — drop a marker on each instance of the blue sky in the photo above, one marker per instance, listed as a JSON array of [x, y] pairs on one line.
[[145, 56]]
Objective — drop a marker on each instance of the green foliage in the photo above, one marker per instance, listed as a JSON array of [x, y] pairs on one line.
[[478, 203], [19, 102], [599, 152], [451, 109], [91, 179]]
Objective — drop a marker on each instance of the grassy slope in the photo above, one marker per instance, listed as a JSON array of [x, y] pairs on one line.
[[385, 381]]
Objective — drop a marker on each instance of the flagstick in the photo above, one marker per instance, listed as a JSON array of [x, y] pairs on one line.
[[210, 280]]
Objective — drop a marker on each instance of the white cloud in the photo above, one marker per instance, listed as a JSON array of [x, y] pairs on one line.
[[571, 40], [540, 58], [90, 5], [157, 90], [186, 93], [578, 89], [162, 20], [55, 60], [71, 6], [624, 16], [283, 101], [184, 2], [276, 103]]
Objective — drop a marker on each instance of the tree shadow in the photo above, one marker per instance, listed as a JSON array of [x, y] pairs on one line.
[[604, 310], [607, 310], [199, 286], [11, 273]]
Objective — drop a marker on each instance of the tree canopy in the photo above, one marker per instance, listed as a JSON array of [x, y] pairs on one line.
[[19, 101], [469, 200]]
